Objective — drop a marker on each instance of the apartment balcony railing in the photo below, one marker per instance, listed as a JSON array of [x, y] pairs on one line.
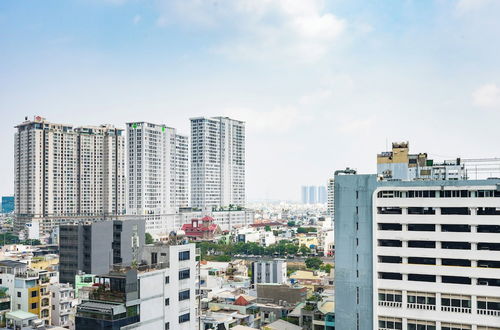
[[421, 306], [393, 304], [490, 312], [454, 309]]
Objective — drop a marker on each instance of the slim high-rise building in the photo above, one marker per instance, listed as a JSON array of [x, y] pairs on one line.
[[330, 199], [217, 162], [304, 194], [313, 194], [158, 171], [322, 197], [62, 173]]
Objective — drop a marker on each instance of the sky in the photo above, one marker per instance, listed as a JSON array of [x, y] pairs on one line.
[[321, 85]]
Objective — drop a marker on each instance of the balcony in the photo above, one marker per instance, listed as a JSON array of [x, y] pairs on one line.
[[454, 309], [421, 306], [392, 304], [489, 312]]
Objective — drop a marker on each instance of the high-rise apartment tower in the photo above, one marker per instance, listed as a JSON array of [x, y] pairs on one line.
[[217, 162]]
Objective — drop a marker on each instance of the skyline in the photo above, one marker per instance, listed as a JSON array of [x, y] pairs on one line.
[[297, 74]]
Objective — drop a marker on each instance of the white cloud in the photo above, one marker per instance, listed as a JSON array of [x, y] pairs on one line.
[[261, 29], [279, 119], [137, 19], [487, 96]]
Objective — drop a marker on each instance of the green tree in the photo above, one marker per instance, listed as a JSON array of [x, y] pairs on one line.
[[314, 263], [149, 239], [326, 268], [267, 228], [291, 223], [304, 249], [301, 230]]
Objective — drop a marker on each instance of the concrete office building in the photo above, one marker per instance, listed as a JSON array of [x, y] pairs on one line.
[[64, 173], [158, 172], [417, 254], [158, 293], [93, 248], [217, 162], [270, 271]]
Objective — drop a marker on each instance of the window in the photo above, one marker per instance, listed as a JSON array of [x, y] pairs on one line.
[[183, 295], [390, 276], [390, 259], [455, 228], [184, 255], [421, 325], [34, 294], [456, 245], [184, 318], [19, 294], [167, 302], [454, 326], [390, 323], [390, 242], [488, 264], [455, 303], [167, 279], [488, 305], [455, 211], [33, 306], [390, 226], [421, 261], [421, 227], [421, 210], [456, 262], [184, 274], [167, 326], [421, 300], [390, 298], [421, 278], [422, 244]]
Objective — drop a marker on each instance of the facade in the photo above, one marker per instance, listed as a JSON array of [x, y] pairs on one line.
[[304, 194], [7, 204], [159, 293], [417, 254], [93, 248], [63, 305], [271, 271], [217, 162], [64, 173], [28, 289], [158, 171], [330, 210]]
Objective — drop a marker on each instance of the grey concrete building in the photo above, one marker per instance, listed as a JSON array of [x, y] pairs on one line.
[[281, 294], [94, 247]]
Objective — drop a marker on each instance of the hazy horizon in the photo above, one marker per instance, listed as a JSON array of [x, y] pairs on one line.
[[321, 85]]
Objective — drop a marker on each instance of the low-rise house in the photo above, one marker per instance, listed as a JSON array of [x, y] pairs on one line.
[[201, 229], [281, 325], [281, 294]]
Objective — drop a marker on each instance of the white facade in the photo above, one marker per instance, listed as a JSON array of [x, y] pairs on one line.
[[61, 171], [217, 162], [168, 296], [63, 305], [436, 257], [271, 271], [158, 172]]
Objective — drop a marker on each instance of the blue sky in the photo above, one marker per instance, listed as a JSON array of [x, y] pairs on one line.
[[321, 84]]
